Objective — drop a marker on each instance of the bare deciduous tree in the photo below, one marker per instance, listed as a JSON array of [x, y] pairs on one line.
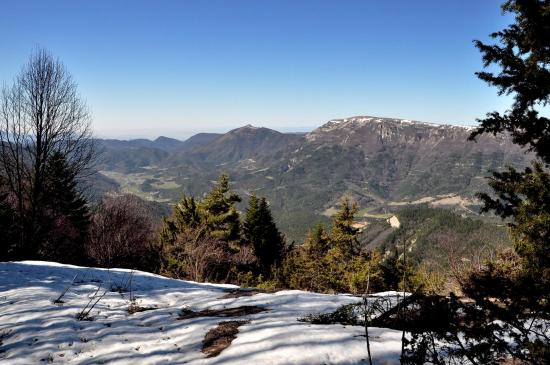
[[41, 114], [121, 233]]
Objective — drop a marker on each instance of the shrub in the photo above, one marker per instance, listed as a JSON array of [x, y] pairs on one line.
[[121, 234]]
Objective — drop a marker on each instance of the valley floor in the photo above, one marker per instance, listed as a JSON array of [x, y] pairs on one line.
[[34, 329]]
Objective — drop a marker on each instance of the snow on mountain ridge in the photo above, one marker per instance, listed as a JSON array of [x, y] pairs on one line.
[[349, 124], [370, 119]]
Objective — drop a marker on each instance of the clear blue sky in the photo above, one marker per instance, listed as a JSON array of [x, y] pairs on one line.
[[149, 68]]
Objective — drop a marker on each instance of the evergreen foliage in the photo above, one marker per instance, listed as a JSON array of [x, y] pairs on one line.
[[259, 229], [187, 213], [202, 239], [522, 55], [46, 145], [221, 215], [6, 225], [525, 197], [333, 262], [216, 214], [509, 319], [439, 239], [65, 218], [344, 235], [317, 242]]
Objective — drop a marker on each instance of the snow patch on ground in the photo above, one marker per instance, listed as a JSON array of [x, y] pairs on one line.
[[35, 330]]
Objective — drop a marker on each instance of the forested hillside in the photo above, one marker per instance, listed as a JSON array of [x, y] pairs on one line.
[[382, 163]]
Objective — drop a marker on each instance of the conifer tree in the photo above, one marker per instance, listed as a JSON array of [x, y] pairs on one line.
[[523, 56], [317, 241], [216, 214], [7, 238], [509, 319], [66, 215], [260, 230], [344, 235], [204, 233], [220, 211], [187, 213]]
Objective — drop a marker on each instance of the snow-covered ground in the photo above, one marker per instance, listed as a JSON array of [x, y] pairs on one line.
[[34, 330]]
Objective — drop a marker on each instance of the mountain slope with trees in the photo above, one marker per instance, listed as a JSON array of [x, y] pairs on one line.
[[382, 163]]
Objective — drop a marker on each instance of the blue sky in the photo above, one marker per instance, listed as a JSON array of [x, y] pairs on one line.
[[149, 68]]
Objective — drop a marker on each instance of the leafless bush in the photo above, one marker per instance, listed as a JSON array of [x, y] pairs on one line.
[[205, 256], [461, 261], [121, 234], [198, 256]]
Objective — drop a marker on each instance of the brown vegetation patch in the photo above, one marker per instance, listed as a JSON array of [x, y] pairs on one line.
[[220, 337], [225, 312], [136, 308], [237, 293]]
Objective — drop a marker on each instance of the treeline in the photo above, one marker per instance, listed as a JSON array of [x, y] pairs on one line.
[[443, 244], [206, 239]]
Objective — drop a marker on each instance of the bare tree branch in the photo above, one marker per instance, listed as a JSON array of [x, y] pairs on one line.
[[41, 114]]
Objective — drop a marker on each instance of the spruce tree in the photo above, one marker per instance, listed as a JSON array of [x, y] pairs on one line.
[[251, 224], [317, 241], [260, 230], [344, 235], [196, 224], [509, 318], [216, 214], [220, 211], [523, 56], [42, 115], [187, 213], [65, 220]]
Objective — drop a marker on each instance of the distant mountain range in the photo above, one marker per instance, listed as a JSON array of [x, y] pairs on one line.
[[382, 163]]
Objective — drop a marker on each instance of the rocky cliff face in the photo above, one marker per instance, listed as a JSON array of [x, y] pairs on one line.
[[402, 159], [372, 134]]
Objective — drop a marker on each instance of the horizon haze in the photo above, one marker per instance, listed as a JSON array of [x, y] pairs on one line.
[[177, 68]]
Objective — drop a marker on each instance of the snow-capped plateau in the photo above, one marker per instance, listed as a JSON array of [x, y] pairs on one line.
[[355, 122]]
